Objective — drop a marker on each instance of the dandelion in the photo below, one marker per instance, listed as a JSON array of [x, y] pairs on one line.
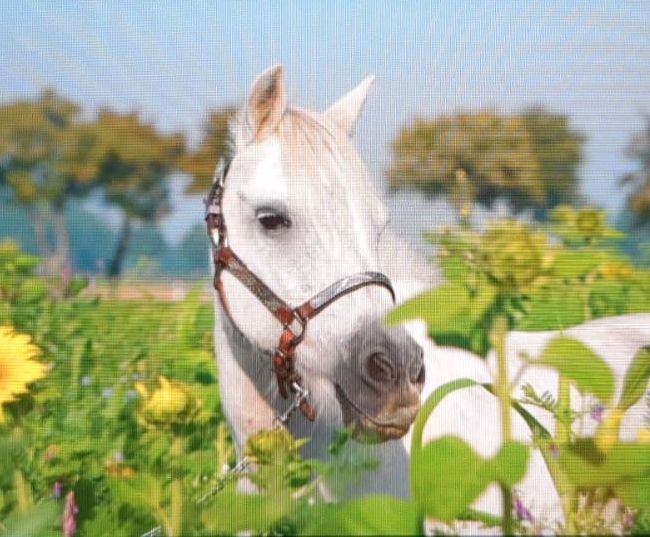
[[57, 489], [17, 365]]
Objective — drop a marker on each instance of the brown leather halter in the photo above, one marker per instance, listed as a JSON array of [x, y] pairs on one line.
[[294, 320]]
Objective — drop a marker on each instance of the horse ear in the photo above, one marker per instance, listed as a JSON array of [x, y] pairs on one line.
[[346, 110], [267, 102]]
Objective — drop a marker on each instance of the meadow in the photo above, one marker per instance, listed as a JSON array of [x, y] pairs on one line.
[[111, 422]]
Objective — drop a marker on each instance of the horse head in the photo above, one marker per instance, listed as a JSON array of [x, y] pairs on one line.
[[301, 213]]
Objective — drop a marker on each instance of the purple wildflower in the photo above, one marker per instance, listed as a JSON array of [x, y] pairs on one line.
[[70, 511], [522, 511], [597, 413], [57, 489], [555, 451]]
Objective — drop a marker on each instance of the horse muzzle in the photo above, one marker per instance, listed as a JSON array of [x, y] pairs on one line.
[[379, 388]]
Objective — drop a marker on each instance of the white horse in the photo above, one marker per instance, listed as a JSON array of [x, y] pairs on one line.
[[301, 212]]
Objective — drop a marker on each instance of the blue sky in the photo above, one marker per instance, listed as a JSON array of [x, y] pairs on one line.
[[173, 61]]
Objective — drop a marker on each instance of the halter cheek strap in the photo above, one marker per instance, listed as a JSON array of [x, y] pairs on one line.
[[294, 320]]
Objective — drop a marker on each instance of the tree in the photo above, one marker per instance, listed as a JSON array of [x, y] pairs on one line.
[[131, 162], [35, 141], [557, 149], [529, 160], [638, 201], [214, 145]]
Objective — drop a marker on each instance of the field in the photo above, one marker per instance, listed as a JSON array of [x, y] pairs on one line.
[[111, 422]]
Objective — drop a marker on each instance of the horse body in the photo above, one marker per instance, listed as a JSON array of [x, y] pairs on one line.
[[302, 213]]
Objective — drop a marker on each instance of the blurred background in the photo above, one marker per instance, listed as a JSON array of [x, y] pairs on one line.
[[112, 118], [113, 115]]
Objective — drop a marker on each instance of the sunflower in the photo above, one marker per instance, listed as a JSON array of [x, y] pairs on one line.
[[17, 366]]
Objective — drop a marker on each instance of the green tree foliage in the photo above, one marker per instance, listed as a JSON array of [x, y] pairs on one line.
[[48, 156], [638, 202], [35, 143], [214, 145], [131, 162], [530, 160]]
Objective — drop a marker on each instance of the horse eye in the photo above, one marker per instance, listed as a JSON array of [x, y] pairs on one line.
[[272, 221]]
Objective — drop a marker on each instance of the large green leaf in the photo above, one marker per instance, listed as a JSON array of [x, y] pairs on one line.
[[572, 264], [634, 493], [449, 475], [34, 523], [554, 308], [455, 315], [373, 515], [576, 362], [510, 464], [586, 467], [636, 379], [230, 513]]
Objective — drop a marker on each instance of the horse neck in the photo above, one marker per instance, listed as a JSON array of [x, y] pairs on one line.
[[255, 363]]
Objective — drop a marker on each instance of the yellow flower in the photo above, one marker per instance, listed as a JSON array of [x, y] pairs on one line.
[[17, 367], [607, 434], [169, 404], [616, 271]]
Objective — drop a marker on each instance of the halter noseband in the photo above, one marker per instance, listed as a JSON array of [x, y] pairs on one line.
[[293, 320]]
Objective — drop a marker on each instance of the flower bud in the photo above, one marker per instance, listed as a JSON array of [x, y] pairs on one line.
[[171, 403]]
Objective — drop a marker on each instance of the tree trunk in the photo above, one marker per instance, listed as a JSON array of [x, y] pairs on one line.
[[114, 268], [37, 220], [63, 264]]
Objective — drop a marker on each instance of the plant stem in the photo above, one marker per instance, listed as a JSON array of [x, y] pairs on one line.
[[176, 517], [563, 432], [502, 390], [23, 492], [568, 495]]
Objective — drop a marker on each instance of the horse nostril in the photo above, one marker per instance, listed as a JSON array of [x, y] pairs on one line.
[[421, 376], [379, 368]]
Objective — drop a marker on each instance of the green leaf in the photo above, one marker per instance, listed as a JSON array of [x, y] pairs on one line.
[[586, 467], [429, 406], [510, 464], [555, 308], [634, 493], [33, 523], [448, 476], [455, 315], [636, 379], [373, 515], [572, 264], [435, 306], [575, 361], [231, 513]]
